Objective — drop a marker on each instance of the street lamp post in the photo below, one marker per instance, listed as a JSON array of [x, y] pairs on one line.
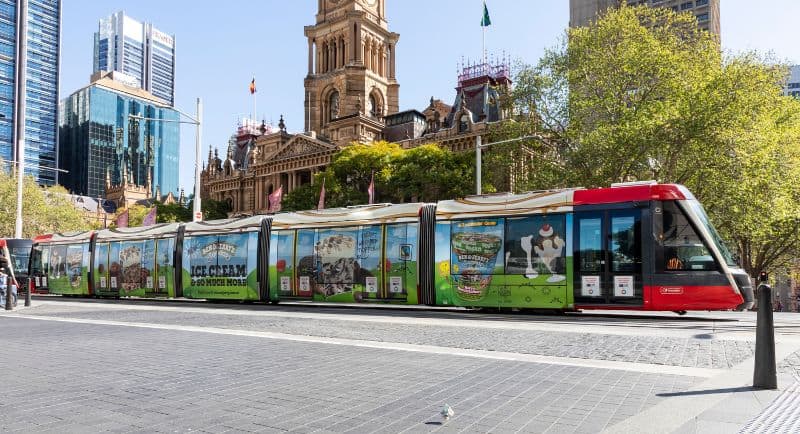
[[479, 151], [197, 214], [21, 90]]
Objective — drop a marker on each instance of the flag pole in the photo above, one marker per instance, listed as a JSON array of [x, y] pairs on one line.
[[483, 40], [255, 100]]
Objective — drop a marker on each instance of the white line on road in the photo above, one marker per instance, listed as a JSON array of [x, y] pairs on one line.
[[629, 327], [428, 349]]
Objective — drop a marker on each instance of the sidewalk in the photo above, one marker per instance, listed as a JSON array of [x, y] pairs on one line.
[[727, 403]]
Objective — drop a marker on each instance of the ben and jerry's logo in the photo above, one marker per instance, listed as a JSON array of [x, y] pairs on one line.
[[221, 248]]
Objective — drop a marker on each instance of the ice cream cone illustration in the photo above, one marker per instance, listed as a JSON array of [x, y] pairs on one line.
[[548, 248], [530, 272]]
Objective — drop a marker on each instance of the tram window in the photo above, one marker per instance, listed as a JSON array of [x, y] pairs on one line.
[[625, 244], [284, 261], [20, 257], [681, 247], [37, 267], [536, 244], [591, 245]]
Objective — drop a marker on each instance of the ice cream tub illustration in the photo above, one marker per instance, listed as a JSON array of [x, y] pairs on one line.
[[473, 262]]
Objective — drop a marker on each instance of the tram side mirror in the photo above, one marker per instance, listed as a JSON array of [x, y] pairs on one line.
[[763, 277]]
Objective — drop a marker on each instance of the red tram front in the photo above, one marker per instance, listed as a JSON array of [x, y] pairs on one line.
[[682, 262]]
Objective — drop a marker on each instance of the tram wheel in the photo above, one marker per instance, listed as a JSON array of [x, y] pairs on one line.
[[680, 312], [274, 302]]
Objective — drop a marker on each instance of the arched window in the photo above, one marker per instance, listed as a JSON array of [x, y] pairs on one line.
[[333, 106], [373, 106]]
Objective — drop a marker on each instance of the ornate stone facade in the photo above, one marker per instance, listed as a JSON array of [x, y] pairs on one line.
[[351, 95]]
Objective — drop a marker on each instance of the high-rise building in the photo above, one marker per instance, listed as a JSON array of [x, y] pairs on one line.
[[39, 21], [793, 84], [582, 12], [103, 146], [139, 50]]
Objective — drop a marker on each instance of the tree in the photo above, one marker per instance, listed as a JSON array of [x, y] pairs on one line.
[[173, 213], [429, 173], [45, 210], [642, 94], [136, 214], [212, 209]]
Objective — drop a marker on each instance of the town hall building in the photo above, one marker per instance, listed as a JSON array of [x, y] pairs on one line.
[[351, 95]]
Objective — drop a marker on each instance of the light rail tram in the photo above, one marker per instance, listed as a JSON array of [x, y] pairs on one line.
[[641, 246]]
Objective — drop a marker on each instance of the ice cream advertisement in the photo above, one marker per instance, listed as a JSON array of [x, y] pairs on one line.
[[221, 266], [68, 269], [513, 261], [475, 248], [351, 264]]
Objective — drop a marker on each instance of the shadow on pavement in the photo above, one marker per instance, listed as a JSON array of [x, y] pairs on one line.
[[708, 392]]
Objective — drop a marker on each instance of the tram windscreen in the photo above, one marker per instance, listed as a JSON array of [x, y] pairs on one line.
[[697, 209], [20, 257]]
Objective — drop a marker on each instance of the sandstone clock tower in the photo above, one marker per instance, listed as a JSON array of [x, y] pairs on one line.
[[351, 80]]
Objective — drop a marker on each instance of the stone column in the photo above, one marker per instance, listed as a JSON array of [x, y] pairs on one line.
[[357, 48], [310, 56], [331, 55], [391, 60]]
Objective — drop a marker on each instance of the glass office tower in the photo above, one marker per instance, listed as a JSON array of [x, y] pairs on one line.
[[139, 50], [99, 140], [41, 24]]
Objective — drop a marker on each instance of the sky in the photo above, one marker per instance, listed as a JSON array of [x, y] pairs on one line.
[[220, 49]]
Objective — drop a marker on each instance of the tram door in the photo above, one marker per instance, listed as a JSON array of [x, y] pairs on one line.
[[608, 257]]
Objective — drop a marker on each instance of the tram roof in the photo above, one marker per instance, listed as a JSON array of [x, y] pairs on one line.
[[366, 214], [155, 231], [66, 237], [506, 204], [559, 200], [226, 225]]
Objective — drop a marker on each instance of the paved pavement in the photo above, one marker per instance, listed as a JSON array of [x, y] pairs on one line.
[[160, 367]]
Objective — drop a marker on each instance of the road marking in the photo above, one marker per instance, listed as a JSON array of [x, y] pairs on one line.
[[428, 349], [667, 328]]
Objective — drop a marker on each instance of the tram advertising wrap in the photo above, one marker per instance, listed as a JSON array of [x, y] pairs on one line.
[[640, 246], [221, 266], [499, 262]]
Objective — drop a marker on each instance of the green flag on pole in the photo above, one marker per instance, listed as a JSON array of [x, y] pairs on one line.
[[485, 21]]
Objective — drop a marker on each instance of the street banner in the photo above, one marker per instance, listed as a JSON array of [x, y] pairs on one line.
[[122, 220], [150, 218], [371, 189], [275, 200], [321, 204]]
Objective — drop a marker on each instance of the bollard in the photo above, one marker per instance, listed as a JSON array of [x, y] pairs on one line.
[[28, 292], [9, 301], [765, 374]]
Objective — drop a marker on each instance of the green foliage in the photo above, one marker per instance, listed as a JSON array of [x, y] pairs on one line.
[[136, 214], [176, 213], [429, 173], [173, 213], [212, 209], [45, 210], [645, 94], [425, 173]]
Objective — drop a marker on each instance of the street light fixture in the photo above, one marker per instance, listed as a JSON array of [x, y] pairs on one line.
[[197, 213], [479, 154]]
